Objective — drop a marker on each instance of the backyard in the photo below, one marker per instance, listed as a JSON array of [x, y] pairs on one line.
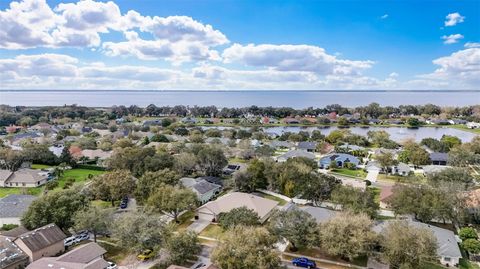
[[79, 176]]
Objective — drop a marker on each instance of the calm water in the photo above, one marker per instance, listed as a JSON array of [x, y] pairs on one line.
[[295, 99], [398, 134]]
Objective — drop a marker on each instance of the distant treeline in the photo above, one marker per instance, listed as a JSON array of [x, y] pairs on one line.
[[14, 115]]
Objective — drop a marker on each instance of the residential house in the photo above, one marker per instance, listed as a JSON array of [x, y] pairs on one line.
[[341, 159], [438, 121], [401, 169], [432, 169], [11, 256], [457, 121], [88, 256], [277, 144], [448, 251], [232, 168], [291, 121], [154, 122], [96, 154], [24, 177], [439, 158], [204, 190], [473, 125], [296, 153], [307, 146], [12, 208], [262, 206], [212, 179], [56, 150], [350, 148], [189, 120], [320, 214], [46, 241]]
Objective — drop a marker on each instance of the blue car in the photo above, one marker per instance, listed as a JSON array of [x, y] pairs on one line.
[[304, 262]]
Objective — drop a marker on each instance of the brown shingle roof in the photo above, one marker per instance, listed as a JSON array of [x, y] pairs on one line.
[[42, 237], [83, 254]]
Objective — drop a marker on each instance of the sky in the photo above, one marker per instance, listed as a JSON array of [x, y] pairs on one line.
[[240, 45]]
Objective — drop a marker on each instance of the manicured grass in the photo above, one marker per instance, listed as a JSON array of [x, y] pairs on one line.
[[212, 231], [280, 201], [351, 173], [376, 193], [114, 253], [41, 166], [80, 175], [185, 220], [31, 191]]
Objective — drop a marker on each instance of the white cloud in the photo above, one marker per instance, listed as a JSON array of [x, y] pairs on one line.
[[453, 19], [452, 39], [32, 23], [393, 75], [459, 70], [472, 45], [293, 58], [384, 16], [27, 24]]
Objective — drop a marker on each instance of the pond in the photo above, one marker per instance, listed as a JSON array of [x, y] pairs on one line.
[[397, 134]]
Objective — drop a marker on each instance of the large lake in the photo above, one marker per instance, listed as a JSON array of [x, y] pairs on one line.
[[295, 99], [398, 134]]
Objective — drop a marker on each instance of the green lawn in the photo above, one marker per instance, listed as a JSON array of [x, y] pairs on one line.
[[376, 193], [280, 201], [80, 175], [41, 166], [31, 191], [114, 253], [212, 231], [185, 220], [351, 173]]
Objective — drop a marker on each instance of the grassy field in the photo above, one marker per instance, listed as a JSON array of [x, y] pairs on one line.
[[350, 173], [79, 175], [212, 231], [280, 201], [185, 220]]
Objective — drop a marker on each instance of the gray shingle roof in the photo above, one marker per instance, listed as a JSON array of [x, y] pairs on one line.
[[307, 145], [83, 254], [10, 253], [439, 156], [42, 237], [297, 153], [15, 205]]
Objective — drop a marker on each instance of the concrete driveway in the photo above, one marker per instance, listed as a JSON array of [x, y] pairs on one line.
[[198, 225]]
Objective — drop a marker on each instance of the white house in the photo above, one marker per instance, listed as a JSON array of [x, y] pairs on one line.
[[205, 190], [210, 211]]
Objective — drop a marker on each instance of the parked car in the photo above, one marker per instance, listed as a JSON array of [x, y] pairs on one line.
[[124, 203], [111, 265], [81, 237], [146, 255], [304, 262], [69, 241]]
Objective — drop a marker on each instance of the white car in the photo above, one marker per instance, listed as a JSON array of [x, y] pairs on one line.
[[80, 237], [111, 265], [69, 241]]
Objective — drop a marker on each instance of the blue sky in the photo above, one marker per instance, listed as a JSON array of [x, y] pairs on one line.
[[311, 45]]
